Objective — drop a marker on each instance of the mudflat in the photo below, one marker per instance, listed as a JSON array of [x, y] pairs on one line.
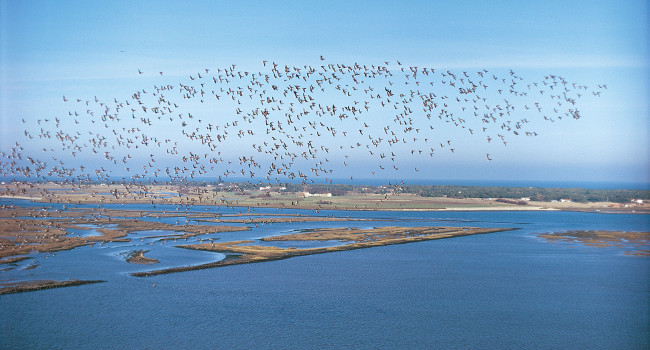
[[632, 243]]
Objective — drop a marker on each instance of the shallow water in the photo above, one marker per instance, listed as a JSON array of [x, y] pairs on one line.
[[501, 290]]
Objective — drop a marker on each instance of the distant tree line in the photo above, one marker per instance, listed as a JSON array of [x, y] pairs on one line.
[[534, 193], [450, 191]]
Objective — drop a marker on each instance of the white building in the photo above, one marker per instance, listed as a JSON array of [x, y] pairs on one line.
[[307, 194]]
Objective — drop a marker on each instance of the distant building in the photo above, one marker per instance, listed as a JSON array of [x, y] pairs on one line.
[[565, 200], [307, 194], [637, 201], [525, 198]]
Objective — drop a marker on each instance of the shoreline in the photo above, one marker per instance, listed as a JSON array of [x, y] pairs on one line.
[[31, 286], [470, 204]]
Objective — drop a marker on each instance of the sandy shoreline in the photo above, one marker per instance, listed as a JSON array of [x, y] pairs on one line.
[[22, 197]]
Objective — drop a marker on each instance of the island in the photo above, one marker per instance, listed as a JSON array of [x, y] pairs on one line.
[[137, 257]]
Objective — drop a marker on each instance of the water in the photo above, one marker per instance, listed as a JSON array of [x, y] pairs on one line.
[[506, 290]]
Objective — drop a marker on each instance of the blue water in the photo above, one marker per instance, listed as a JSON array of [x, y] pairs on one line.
[[506, 290]]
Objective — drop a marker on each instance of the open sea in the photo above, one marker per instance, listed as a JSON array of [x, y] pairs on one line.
[[504, 290]]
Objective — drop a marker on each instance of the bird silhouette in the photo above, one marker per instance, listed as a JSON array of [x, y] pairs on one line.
[[287, 122]]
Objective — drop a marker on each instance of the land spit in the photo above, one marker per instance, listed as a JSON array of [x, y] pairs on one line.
[[241, 252], [20, 287]]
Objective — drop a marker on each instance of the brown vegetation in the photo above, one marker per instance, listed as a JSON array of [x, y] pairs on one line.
[[137, 257], [50, 234]]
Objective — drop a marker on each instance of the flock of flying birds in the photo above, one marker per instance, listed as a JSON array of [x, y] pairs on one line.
[[286, 122]]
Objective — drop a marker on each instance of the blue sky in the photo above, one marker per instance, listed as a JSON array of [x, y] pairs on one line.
[[87, 49]]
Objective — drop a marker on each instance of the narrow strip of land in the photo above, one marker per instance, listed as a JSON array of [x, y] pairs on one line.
[[241, 252], [31, 286]]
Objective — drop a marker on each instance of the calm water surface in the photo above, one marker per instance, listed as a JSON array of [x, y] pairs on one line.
[[506, 290]]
